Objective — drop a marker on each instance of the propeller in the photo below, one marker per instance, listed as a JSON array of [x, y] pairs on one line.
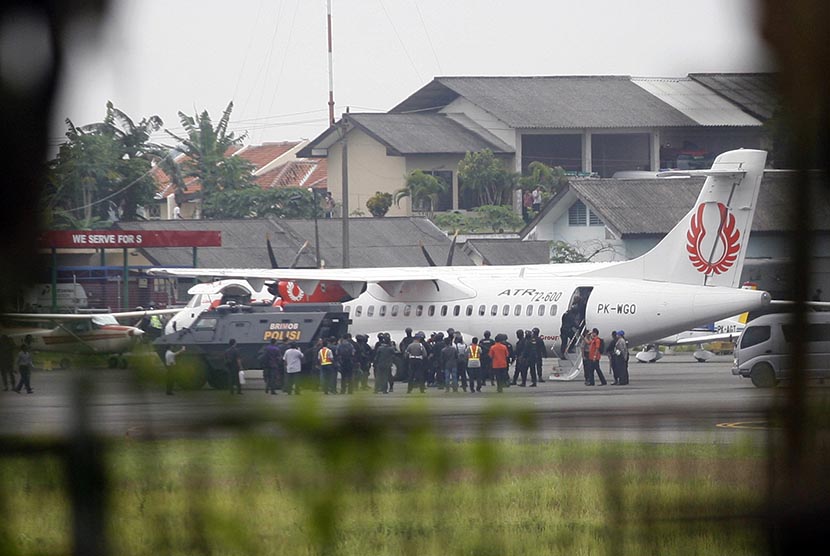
[[274, 263], [449, 254], [297, 256]]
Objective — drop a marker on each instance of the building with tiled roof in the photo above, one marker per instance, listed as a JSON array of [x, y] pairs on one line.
[[274, 165]]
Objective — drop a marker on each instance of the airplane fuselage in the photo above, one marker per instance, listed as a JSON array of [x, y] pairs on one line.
[[645, 310]]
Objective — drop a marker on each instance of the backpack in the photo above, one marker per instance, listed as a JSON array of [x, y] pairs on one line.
[[601, 345]]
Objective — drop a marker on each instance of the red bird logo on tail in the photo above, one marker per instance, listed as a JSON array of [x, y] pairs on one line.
[[728, 241]]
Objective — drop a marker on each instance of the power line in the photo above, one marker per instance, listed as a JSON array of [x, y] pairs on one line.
[[400, 40]]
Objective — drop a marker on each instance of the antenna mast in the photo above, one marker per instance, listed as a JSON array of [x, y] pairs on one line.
[[331, 74]]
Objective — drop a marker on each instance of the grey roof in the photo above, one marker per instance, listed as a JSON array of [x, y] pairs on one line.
[[405, 134], [375, 242], [510, 251], [753, 92], [654, 206], [563, 102], [426, 134], [702, 104]]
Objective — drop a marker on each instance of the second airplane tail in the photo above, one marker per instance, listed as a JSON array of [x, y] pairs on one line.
[[707, 246]]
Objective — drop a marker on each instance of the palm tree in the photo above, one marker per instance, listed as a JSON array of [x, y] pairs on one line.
[[484, 174], [423, 189], [206, 148]]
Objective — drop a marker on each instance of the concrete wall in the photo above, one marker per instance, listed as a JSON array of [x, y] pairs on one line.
[[370, 170]]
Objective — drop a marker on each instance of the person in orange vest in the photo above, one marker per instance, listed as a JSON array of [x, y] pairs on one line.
[[328, 370], [474, 365], [499, 356], [595, 354]]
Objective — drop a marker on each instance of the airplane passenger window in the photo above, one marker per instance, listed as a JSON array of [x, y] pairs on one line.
[[419, 310], [505, 310], [394, 311], [494, 310], [482, 310], [358, 310], [370, 311], [517, 311], [456, 310], [382, 311], [529, 311], [431, 311], [541, 310], [553, 310], [348, 308], [443, 310], [469, 310], [407, 309]]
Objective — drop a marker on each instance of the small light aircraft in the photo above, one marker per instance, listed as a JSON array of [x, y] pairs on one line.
[[70, 333], [691, 276], [725, 330]]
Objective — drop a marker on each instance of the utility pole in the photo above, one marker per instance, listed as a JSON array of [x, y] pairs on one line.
[[344, 122], [331, 71]]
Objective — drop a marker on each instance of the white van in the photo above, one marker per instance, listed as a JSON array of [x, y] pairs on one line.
[[762, 353]]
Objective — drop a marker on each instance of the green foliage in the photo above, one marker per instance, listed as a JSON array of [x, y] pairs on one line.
[[207, 159], [499, 218], [373, 483], [253, 202], [485, 175], [549, 179], [423, 189], [379, 203], [486, 218], [563, 252], [101, 166]]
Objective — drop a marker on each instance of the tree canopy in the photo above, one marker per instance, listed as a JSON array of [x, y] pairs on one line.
[[486, 176], [101, 172], [423, 189]]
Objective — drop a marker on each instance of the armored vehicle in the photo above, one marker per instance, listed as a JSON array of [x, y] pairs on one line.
[[252, 326]]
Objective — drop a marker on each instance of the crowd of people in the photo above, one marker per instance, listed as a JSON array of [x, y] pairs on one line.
[[443, 360]]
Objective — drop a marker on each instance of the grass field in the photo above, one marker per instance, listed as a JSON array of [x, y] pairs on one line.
[[358, 489]]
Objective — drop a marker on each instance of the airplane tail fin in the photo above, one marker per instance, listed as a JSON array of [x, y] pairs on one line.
[[707, 246]]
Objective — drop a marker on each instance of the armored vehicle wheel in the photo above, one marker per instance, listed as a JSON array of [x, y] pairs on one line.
[[218, 378], [763, 376], [190, 372]]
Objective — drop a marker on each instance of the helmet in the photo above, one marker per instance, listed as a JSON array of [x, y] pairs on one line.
[[486, 333], [408, 330], [420, 334], [535, 330], [620, 332]]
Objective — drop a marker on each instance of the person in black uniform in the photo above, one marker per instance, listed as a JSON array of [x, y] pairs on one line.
[[529, 354], [364, 355], [612, 358], [486, 371], [233, 364], [383, 359], [521, 360], [408, 339], [7, 361], [541, 352]]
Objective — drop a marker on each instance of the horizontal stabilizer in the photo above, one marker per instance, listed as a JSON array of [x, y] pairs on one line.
[[729, 174]]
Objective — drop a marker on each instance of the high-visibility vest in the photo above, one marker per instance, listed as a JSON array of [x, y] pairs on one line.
[[155, 321], [475, 352], [326, 357]]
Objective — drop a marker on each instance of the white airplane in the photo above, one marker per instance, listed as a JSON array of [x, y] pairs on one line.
[[69, 333], [210, 294], [691, 276], [724, 330]]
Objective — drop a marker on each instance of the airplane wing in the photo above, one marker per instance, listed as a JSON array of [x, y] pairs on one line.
[[84, 316], [720, 337], [352, 280]]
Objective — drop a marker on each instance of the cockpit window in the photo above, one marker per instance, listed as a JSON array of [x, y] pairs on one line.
[[195, 301]]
